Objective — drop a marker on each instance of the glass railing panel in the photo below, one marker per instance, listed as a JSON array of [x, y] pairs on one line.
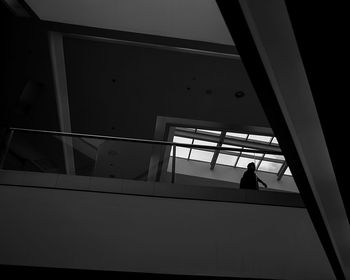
[[144, 160], [35, 152]]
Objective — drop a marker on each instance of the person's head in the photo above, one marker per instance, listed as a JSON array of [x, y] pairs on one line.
[[251, 166]]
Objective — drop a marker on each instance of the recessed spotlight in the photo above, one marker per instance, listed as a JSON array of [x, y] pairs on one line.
[[239, 94]]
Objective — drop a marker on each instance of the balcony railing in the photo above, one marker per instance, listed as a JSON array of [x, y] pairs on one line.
[[100, 155]]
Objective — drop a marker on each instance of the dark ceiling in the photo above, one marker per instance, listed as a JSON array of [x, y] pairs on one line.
[[120, 89]]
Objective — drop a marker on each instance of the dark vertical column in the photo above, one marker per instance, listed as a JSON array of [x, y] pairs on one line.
[[238, 25]]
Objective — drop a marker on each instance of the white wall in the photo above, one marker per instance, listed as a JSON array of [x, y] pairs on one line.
[[75, 229]]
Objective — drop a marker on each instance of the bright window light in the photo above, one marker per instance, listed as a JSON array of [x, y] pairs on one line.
[[204, 143], [280, 157], [243, 162], [237, 135], [224, 159], [253, 154], [231, 146], [201, 155], [241, 158], [268, 166], [261, 138], [274, 141], [181, 152], [183, 140], [287, 172]]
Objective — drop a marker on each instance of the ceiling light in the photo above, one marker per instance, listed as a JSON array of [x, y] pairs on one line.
[[239, 94]]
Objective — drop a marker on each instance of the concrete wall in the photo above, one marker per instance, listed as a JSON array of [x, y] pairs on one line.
[[91, 230]]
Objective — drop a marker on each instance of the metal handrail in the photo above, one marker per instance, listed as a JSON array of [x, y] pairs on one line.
[[144, 141]]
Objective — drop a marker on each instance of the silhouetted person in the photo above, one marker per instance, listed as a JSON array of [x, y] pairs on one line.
[[250, 180]]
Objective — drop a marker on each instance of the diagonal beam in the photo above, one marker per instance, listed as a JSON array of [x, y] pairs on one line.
[[291, 88], [216, 153], [281, 171], [264, 37]]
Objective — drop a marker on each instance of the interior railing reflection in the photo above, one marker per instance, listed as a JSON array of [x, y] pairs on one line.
[[99, 155]]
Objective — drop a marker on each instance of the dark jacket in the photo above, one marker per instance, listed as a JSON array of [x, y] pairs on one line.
[[249, 181]]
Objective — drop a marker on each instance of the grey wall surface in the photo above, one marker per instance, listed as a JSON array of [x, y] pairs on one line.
[[186, 19], [122, 89], [61, 228]]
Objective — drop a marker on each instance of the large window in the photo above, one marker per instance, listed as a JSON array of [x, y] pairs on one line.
[[264, 162]]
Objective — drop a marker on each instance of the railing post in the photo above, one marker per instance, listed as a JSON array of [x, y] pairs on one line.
[[281, 171], [173, 165], [6, 148]]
